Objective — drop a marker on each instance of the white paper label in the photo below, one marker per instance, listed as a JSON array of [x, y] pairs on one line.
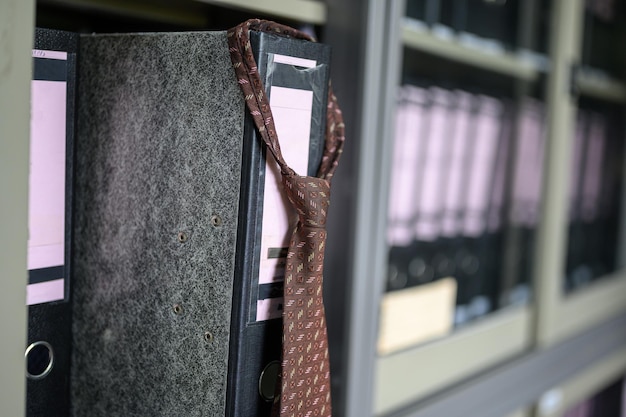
[[292, 60], [416, 314], [45, 292], [46, 191], [292, 116], [46, 196], [40, 53]]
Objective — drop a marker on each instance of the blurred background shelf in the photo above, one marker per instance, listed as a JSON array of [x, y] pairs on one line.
[[513, 53], [583, 385], [311, 11], [452, 47], [600, 85], [599, 301], [401, 377]]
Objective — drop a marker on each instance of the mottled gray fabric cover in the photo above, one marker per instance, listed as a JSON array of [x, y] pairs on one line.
[[159, 151]]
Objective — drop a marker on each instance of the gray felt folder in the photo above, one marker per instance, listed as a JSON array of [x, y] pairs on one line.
[[166, 216]]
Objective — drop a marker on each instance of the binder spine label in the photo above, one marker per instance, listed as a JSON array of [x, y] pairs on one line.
[[47, 178], [292, 109]]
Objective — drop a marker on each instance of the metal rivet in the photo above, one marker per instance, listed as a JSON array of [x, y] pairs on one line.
[[178, 309], [182, 237], [216, 220], [208, 337]]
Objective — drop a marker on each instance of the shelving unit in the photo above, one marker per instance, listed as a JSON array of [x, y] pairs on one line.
[[534, 359], [488, 358]]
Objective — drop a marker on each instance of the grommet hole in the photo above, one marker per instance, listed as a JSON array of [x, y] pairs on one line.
[[178, 309], [216, 220]]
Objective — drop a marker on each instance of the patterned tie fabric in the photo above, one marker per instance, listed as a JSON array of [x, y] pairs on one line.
[[304, 382]]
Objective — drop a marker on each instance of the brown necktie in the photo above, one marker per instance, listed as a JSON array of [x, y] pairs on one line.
[[305, 377]]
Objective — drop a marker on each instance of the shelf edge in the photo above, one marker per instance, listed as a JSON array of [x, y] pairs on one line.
[[501, 62], [599, 301], [309, 11], [601, 87], [408, 376]]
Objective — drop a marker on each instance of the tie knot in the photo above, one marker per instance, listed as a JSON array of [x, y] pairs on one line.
[[310, 197]]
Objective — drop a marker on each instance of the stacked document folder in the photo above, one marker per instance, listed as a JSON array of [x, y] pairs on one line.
[[464, 205], [595, 186], [464, 198]]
